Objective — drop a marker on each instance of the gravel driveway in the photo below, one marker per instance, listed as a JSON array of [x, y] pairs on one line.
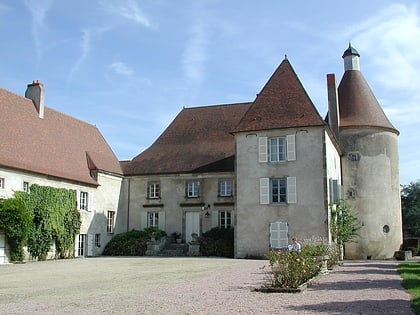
[[192, 286]]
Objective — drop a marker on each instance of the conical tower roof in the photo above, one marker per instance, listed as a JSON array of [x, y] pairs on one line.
[[282, 103], [358, 106]]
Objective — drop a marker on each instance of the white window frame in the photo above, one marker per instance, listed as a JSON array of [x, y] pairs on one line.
[[25, 186], [277, 149], [193, 189], [154, 190], [225, 219], [153, 219], [110, 220], [81, 244], [266, 191], [288, 152], [84, 200], [225, 188], [278, 190], [2, 183]]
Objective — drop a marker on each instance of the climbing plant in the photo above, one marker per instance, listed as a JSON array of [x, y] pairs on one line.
[[44, 216], [343, 224], [16, 221]]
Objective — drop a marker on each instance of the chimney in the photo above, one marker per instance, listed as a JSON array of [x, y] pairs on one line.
[[35, 92], [333, 109]]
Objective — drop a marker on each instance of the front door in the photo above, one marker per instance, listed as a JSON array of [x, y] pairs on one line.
[[192, 225]]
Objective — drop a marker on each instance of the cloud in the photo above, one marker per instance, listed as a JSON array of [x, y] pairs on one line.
[[195, 54], [128, 9], [121, 68], [85, 45], [390, 40], [38, 10]]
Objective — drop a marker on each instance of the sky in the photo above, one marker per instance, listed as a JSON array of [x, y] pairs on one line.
[[130, 66]]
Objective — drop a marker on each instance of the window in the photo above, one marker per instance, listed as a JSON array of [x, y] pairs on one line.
[[193, 189], [353, 156], [2, 183], [110, 221], [153, 219], [278, 190], [83, 200], [154, 191], [225, 220], [98, 240], [277, 149], [81, 245], [25, 186], [225, 188]]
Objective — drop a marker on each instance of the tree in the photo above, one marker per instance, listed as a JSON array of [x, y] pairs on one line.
[[410, 204], [343, 225]]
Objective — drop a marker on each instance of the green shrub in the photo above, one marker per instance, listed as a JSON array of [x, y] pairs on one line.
[[16, 221], [217, 242], [132, 243]]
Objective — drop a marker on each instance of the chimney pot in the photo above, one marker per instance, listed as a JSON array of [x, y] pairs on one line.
[[35, 92]]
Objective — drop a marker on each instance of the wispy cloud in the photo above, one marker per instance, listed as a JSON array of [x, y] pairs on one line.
[[195, 53], [121, 68], [391, 39], [85, 44], [128, 9], [38, 10]]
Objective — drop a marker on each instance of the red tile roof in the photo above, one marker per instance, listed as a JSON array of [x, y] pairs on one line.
[[282, 103], [196, 139], [358, 105], [57, 145]]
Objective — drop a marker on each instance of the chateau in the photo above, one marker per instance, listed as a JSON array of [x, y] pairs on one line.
[[268, 168]]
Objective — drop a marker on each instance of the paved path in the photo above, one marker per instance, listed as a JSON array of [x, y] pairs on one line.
[[193, 286]]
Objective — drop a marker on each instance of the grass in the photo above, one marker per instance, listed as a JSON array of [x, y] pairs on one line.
[[410, 272]]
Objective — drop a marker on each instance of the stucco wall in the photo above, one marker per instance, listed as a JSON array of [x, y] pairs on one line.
[[172, 201], [306, 218], [374, 180], [103, 198]]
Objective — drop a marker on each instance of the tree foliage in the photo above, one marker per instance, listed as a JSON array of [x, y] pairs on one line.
[[410, 203], [343, 224]]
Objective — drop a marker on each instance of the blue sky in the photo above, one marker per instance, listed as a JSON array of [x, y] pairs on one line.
[[129, 66]]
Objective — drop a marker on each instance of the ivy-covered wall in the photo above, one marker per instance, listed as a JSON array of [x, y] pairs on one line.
[[39, 219]]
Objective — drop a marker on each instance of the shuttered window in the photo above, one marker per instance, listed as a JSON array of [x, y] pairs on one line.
[[278, 190], [277, 149]]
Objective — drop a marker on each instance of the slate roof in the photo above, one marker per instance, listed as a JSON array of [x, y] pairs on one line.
[[358, 106], [282, 103], [57, 145], [197, 140]]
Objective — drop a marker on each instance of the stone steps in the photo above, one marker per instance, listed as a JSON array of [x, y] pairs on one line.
[[174, 250]]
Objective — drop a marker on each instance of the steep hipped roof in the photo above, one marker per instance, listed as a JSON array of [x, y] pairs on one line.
[[56, 145], [198, 139], [282, 103], [358, 106]]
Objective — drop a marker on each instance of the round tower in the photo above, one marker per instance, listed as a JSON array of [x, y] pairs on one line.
[[370, 166]]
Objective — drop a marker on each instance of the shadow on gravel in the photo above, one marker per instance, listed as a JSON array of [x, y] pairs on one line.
[[358, 285], [394, 306]]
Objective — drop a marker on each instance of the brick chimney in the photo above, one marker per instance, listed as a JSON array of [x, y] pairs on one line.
[[35, 92], [333, 108]]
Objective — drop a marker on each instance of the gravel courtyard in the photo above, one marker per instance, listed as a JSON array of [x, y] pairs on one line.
[[192, 286]]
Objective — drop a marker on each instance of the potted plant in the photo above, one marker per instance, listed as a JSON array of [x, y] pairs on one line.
[[177, 237], [194, 237]]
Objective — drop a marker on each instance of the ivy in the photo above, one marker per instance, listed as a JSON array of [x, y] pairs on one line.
[[45, 216], [16, 222]]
